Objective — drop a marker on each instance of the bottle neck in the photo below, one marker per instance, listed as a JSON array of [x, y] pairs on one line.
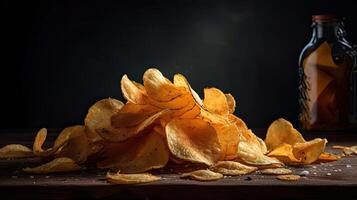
[[326, 30]]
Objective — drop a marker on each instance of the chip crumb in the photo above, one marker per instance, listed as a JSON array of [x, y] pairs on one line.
[[329, 174], [304, 173], [248, 178], [288, 177], [348, 166]]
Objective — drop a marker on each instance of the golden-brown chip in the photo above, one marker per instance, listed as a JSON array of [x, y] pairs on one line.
[[228, 136], [328, 157], [57, 165], [232, 168], [124, 179], [62, 139], [252, 153], [133, 92], [288, 177], [181, 81], [139, 154], [231, 103], [309, 151], [238, 121], [285, 154], [193, 140], [281, 131], [202, 175], [120, 134], [132, 114], [215, 101], [99, 115], [15, 151], [276, 171]]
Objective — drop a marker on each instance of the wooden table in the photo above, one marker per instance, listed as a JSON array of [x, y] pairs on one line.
[[325, 181]]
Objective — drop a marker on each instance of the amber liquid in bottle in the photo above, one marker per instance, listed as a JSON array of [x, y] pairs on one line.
[[326, 78]]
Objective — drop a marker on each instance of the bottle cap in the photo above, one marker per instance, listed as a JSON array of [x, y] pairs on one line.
[[325, 18]]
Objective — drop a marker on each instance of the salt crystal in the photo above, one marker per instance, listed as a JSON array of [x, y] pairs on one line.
[[328, 174], [47, 176], [340, 170], [314, 167], [32, 177], [304, 173], [348, 166], [314, 173]]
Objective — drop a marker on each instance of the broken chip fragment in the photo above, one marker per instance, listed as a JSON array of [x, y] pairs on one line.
[[125, 179], [203, 175]]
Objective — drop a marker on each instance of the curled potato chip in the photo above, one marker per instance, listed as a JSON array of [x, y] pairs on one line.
[[135, 155], [327, 157], [285, 154], [211, 117], [289, 177], [159, 88], [62, 139], [132, 114], [15, 151], [76, 148], [57, 165], [123, 179], [181, 81], [133, 92], [120, 134], [193, 140], [281, 131], [99, 115], [202, 175], [238, 122], [276, 171], [215, 101], [231, 103], [252, 153], [309, 151], [232, 168], [228, 136]]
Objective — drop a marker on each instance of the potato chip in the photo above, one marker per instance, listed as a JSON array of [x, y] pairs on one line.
[[124, 179], [232, 168], [328, 157], [212, 118], [133, 92], [138, 154], [120, 134], [254, 140], [62, 139], [231, 103], [309, 151], [57, 165], [132, 114], [228, 136], [215, 101], [159, 88], [77, 149], [276, 171], [181, 81], [99, 115], [15, 151], [193, 140], [202, 175], [285, 154], [251, 152], [346, 150], [288, 177], [280, 132], [238, 122]]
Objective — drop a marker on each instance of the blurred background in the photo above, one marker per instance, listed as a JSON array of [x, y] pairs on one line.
[[59, 57]]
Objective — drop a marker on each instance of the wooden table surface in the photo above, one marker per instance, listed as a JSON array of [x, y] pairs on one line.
[[325, 180]]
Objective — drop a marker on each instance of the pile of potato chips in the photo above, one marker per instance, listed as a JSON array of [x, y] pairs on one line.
[[166, 121]]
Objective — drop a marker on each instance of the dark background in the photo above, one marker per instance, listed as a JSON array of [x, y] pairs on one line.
[[59, 57]]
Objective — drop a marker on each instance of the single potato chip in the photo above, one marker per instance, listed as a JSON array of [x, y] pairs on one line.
[[98, 117], [276, 171], [57, 165], [228, 136], [133, 92], [231, 103], [281, 131], [193, 140], [328, 157], [138, 154], [15, 151], [215, 101], [285, 154], [202, 175], [309, 151], [288, 177], [181, 81], [124, 179], [232, 168], [121, 134]]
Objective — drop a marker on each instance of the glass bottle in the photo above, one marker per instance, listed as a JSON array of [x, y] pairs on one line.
[[327, 76]]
